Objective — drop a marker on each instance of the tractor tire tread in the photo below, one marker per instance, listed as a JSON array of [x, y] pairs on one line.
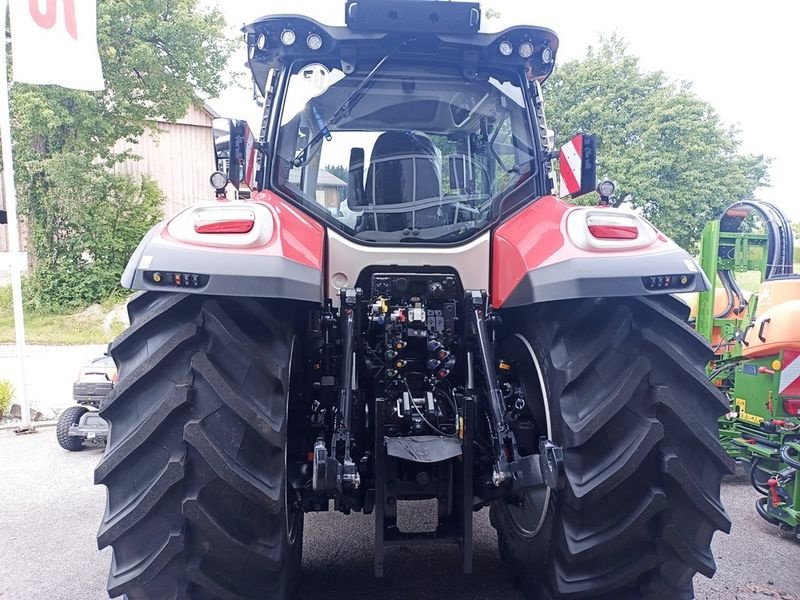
[[199, 418], [637, 419], [71, 416]]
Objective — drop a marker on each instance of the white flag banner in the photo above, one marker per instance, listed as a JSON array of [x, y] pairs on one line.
[[55, 42]]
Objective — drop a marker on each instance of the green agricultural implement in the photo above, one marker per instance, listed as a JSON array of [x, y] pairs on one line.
[[756, 341]]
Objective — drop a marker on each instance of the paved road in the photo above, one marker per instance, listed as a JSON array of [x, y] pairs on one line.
[[49, 513]]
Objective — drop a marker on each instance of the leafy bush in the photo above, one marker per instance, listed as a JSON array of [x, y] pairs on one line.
[[6, 396], [88, 222], [159, 58]]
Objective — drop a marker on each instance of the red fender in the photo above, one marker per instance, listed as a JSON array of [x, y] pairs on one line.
[[546, 252]]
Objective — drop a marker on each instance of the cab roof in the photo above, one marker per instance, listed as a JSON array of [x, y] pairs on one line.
[[529, 48]]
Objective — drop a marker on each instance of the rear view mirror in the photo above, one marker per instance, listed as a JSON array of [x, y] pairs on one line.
[[222, 144], [234, 151], [578, 165]]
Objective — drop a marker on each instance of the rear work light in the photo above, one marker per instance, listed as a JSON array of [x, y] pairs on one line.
[[792, 406], [613, 227]]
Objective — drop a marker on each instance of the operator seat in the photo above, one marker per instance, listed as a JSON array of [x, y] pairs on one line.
[[404, 167]]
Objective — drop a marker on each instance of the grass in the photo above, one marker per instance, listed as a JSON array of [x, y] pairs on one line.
[[751, 280], [57, 329]]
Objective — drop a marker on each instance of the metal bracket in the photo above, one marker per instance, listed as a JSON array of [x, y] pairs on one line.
[[469, 64], [477, 303], [455, 530], [326, 472], [329, 474], [535, 470]]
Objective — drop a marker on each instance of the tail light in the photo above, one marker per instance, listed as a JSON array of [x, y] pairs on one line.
[[228, 221], [792, 406], [609, 229], [613, 227], [232, 224]]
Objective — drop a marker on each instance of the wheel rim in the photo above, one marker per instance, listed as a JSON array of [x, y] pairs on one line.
[[530, 515], [290, 509]]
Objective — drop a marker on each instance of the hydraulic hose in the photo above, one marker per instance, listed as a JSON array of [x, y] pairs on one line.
[[780, 246], [791, 456], [757, 485]]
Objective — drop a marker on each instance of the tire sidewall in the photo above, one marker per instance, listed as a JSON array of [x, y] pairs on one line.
[[293, 533]]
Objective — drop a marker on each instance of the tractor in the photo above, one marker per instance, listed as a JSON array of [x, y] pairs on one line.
[[404, 314], [756, 343]]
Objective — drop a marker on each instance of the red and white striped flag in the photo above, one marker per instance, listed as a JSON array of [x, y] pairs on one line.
[[571, 165], [55, 42]]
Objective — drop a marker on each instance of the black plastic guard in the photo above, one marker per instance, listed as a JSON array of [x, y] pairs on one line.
[[423, 448]]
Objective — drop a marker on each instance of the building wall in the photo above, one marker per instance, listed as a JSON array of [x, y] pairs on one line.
[[179, 156]]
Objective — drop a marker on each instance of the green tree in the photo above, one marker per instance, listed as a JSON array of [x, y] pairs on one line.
[[339, 171], [668, 150], [159, 57]]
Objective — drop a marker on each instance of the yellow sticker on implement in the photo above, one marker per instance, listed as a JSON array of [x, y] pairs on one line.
[[741, 404]]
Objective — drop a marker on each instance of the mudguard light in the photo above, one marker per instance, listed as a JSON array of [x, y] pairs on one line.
[[609, 229], [613, 227], [234, 224]]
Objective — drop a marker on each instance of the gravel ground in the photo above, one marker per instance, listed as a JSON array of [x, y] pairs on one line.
[[49, 513]]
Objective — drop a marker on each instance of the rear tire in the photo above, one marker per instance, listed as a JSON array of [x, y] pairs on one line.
[[71, 416], [629, 401], [198, 504]]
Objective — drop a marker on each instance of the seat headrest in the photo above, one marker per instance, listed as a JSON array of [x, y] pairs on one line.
[[400, 143]]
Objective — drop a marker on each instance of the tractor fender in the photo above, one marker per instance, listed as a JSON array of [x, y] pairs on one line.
[[547, 252], [263, 247]]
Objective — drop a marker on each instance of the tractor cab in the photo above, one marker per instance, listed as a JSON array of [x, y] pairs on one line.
[[406, 126]]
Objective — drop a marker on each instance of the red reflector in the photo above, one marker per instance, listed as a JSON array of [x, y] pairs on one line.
[[792, 406], [614, 232], [773, 492], [224, 226]]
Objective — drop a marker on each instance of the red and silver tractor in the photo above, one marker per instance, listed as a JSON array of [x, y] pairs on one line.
[[403, 311]]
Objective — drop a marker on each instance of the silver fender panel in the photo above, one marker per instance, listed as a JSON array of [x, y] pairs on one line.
[[229, 274], [607, 276]]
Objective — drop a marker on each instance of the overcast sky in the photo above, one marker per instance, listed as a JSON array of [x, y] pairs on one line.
[[741, 56]]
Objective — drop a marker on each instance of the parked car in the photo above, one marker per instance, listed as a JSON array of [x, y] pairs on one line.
[[82, 422]]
